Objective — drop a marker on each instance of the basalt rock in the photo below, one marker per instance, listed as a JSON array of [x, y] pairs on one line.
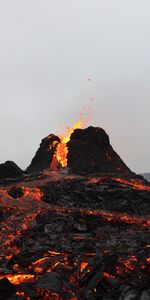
[[89, 241], [16, 192], [49, 281], [6, 289], [90, 151], [44, 155], [10, 170]]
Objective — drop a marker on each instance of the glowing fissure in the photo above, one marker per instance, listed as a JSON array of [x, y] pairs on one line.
[[18, 278], [133, 183], [62, 150], [126, 265], [25, 210]]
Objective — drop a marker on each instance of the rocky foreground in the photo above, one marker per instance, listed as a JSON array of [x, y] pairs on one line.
[[78, 232], [75, 237]]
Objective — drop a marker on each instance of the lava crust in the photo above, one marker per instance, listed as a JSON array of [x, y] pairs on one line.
[[77, 233]]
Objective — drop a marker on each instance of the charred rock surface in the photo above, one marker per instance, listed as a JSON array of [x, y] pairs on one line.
[[73, 238], [44, 155], [16, 192], [105, 194], [6, 289], [10, 170], [66, 236], [89, 151]]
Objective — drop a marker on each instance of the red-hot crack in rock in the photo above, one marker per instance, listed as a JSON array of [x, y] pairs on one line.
[[24, 209], [80, 232], [20, 215]]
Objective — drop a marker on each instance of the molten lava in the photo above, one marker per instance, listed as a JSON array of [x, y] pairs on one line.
[[92, 249], [62, 150], [18, 278]]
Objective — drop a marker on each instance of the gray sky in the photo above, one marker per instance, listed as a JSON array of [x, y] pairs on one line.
[[48, 49]]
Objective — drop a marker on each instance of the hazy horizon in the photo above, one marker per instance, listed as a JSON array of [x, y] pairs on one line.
[[49, 49]]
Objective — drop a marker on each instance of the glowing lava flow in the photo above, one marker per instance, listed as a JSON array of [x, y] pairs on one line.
[[20, 215], [18, 278], [108, 216], [62, 151], [24, 211], [133, 183]]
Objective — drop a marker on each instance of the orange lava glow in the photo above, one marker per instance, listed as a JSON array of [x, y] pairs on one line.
[[127, 265], [53, 253], [148, 260], [134, 183], [61, 150], [47, 295], [83, 266], [107, 275], [18, 278], [36, 193], [25, 210], [39, 265], [20, 294]]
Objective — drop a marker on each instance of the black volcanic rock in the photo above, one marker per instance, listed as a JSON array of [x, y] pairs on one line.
[[16, 192], [10, 170], [49, 281], [90, 151], [44, 155], [6, 289]]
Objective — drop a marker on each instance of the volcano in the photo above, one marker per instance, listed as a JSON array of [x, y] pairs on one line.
[[10, 170], [75, 225], [88, 151], [44, 154]]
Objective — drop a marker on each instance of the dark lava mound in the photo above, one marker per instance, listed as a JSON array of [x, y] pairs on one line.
[[10, 170], [44, 154], [90, 151]]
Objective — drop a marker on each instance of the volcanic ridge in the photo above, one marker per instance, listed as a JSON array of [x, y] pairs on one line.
[[75, 225]]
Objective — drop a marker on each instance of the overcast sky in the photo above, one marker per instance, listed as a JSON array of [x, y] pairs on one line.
[[49, 49]]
